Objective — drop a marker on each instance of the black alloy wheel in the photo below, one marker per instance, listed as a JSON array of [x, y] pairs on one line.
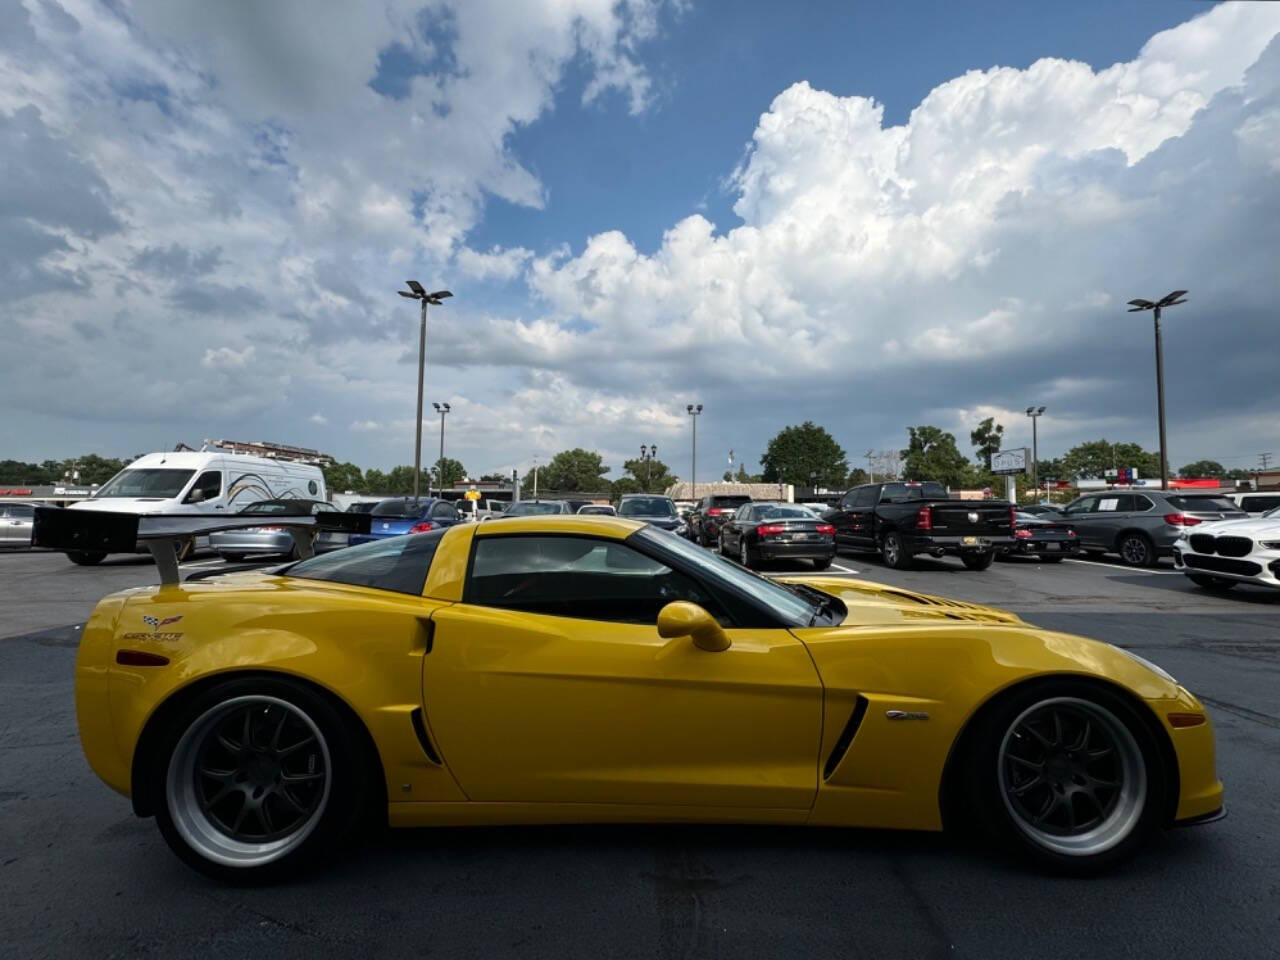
[[822, 564], [745, 557], [1067, 773], [894, 551], [257, 777], [1136, 550], [234, 557], [1051, 558], [85, 558]]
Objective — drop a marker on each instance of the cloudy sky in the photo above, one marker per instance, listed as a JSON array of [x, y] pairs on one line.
[[870, 216]]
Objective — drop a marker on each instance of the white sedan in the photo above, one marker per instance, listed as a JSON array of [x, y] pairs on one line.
[[1221, 554]]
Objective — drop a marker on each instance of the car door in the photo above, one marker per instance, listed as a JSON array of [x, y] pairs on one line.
[[1109, 517], [1082, 517], [205, 495], [550, 683], [731, 530], [862, 517]]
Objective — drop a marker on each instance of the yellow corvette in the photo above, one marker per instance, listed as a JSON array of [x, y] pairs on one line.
[[572, 669]]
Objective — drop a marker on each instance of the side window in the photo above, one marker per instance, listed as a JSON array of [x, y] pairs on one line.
[[578, 577], [398, 564], [312, 487], [865, 496], [444, 511], [744, 512], [207, 487], [1081, 506], [22, 511], [1140, 503], [319, 507]]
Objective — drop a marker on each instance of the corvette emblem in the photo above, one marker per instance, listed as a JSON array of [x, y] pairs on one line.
[[906, 715], [155, 623]]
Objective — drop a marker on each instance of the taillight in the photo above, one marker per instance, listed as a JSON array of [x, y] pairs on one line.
[[766, 529], [1013, 517], [715, 512], [826, 528], [1071, 533], [422, 527], [1181, 520], [1022, 534], [924, 519]]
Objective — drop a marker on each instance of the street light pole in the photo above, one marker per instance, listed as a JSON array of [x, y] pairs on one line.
[[442, 409], [647, 454], [1035, 413], [694, 412], [418, 292], [1137, 306]]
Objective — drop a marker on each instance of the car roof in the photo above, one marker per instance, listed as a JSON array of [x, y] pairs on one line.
[[617, 528]]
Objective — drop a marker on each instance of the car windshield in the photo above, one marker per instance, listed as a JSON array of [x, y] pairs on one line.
[[1272, 514], [778, 511], [149, 482], [730, 500], [530, 508], [790, 607], [1205, 504], [400, 508], [646, 507], [597, 509], [928, 490]]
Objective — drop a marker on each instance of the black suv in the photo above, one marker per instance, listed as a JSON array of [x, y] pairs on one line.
[[711, 512]]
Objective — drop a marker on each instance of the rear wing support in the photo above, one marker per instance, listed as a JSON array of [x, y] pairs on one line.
[[166, 535]]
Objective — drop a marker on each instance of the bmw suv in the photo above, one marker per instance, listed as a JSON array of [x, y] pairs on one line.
[[1142, 525]]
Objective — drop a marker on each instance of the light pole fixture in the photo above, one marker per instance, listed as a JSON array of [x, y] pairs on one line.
[[442, 409], [418, 292], [1035, 413], [1137, 306], [647, 454], [694, 411]]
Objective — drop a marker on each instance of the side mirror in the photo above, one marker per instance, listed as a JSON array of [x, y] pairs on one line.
[[684, 619]]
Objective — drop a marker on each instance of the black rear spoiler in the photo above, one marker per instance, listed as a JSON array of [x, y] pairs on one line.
[[101, 531]]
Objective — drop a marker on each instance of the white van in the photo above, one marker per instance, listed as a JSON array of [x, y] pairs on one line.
[[211, 482]]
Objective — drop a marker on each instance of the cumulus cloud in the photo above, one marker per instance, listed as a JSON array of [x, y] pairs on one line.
[[226, 205]]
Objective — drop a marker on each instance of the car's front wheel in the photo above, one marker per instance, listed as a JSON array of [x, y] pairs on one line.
[[895, 552], [745, 556], [977, 561], [260, 776], [85, 558], [1069, 774], [1136, 550]]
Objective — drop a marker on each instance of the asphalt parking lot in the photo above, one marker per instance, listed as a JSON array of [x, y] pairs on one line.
[[79, 875]]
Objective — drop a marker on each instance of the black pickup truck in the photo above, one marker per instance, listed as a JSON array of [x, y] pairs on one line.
[[899, 520]]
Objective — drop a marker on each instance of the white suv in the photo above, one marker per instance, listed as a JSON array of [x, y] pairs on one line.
[[1219, 555]]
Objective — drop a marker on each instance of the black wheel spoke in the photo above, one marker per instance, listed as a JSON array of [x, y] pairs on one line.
[[1084, 736], [244, 737], [1023, 761], [285, 751], [230, 746], [1022, 788], [275, 737], [283, 794], [1039, 737], [1057, 727], [301, 777]]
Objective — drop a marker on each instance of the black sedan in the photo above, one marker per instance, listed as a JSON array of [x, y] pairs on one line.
[[1048, 536], [764, 530]]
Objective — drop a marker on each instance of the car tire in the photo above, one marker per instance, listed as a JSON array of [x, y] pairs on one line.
[[1212, 583], [1136, 550], [85, 558], [1052, 754], [978, 561], [894, 552], [702, 538], [297, 804], [745, 556], [822, 564], [1055, 558], [234, 557]]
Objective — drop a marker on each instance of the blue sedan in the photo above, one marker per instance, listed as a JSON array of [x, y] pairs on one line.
[[401, 515]]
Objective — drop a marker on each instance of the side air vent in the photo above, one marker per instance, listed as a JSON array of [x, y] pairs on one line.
[[420, 728], [846, 737]]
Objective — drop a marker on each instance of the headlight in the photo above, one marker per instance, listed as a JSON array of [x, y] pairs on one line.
[[681, 528], [1158, 670], [1269, 544]]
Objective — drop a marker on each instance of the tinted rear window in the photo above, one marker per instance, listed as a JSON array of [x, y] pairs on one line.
[[398, 564], [399, 508], [1260, 502], [1204, 504], [914, 491], [727, 500]]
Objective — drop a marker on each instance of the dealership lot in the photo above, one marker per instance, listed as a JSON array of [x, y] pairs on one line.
[[79, 873]]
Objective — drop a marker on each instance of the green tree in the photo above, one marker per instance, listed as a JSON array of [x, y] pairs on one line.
[[495, 478], [653, 476], [986, 439], [1096, 457], [857, 476], [570, 471], [375, 481], [340, 477], [624, 485], [743, 477], [454, 473], [931, 454], [1203, 468], [795, 454], [400, 481]]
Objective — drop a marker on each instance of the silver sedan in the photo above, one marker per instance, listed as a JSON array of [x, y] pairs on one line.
[[235, 545], [16, 519]]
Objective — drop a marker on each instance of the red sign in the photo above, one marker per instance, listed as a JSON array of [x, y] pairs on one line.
[[24, 492]]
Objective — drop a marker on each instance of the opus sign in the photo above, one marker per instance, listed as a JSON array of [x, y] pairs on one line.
[[1010, 461]]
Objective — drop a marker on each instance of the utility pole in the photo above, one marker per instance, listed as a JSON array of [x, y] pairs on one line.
[[1172, 300], [419, 293], [1035, 414], [871, 465], [442, 409]]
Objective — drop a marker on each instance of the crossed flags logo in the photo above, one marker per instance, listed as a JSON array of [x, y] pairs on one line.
[[155, 623]]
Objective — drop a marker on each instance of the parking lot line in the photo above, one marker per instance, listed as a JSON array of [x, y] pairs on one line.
[[1112, 566], [843, 569]]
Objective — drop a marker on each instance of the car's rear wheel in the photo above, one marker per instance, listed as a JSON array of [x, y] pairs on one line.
[[745, 556], [1051, 558], [720, 545], [1068, 774], [822, 564], [85, 558], [1211, 583], [894, 551], [260, 776], [1136, 550], [977, 561], [234, 557]]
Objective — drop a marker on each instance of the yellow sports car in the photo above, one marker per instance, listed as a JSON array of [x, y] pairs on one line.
[[572, 669]]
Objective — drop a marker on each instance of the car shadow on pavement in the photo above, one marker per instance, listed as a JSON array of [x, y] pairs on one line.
[[1244, 593]]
